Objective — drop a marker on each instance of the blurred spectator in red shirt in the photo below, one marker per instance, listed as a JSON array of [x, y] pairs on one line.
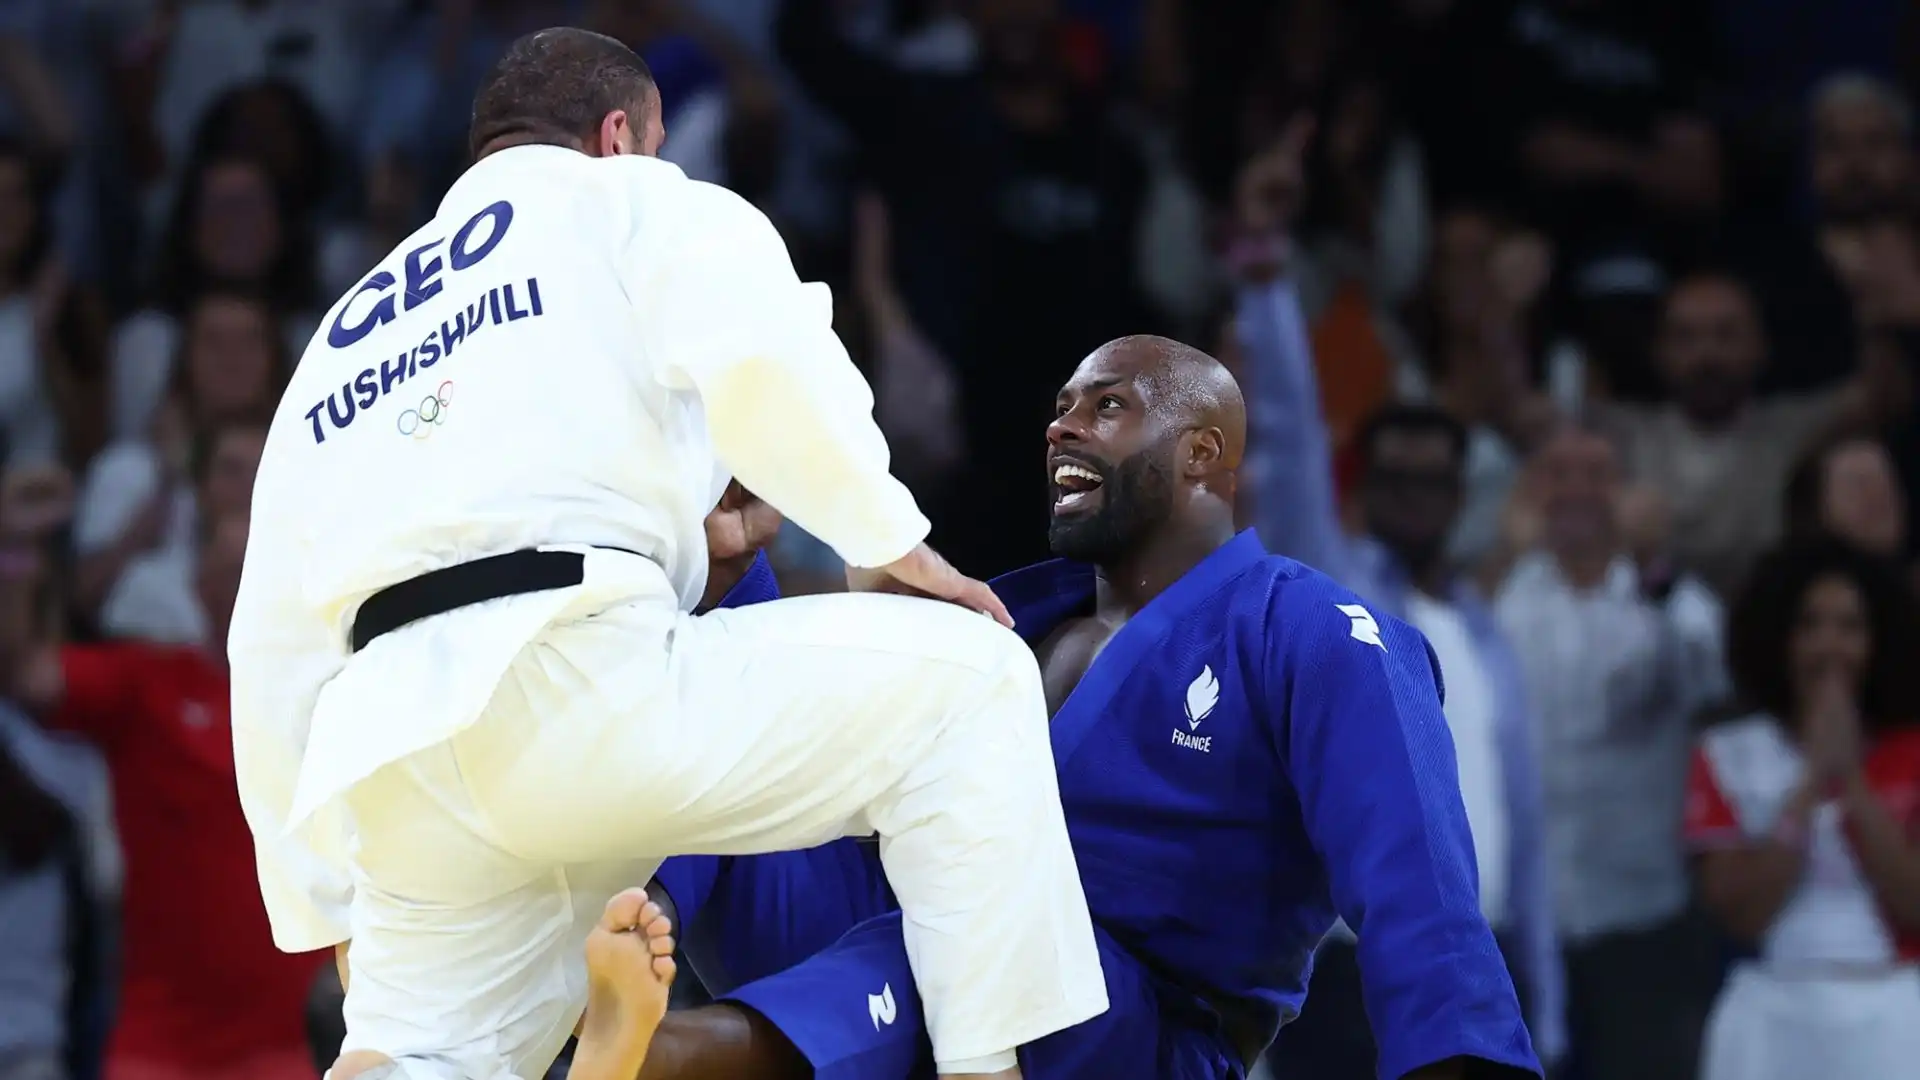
[[204, 993], [1803, 815]]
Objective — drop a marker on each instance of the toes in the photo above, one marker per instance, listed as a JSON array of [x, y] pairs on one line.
[[658, 930], [627, 910], [664, 968]]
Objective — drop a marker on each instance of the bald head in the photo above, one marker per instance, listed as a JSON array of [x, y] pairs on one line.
[[1181, 384], [560, 86], [1145, 442]]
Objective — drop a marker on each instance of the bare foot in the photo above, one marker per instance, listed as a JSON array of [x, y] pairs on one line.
[[629, 970]]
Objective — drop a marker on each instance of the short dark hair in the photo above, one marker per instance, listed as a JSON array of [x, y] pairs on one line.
[[555, 85], [1760, 629], [1410, 419]]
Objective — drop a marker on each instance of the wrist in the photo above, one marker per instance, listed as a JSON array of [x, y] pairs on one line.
[[1258, 254]]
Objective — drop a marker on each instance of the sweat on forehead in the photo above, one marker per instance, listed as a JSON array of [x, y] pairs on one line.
[[1170, 373], [1173, 375]]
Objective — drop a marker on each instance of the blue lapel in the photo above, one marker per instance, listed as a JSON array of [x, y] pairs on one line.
[[1043, 596]]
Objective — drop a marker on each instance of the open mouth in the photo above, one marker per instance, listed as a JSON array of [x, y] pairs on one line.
[[1074, 485]]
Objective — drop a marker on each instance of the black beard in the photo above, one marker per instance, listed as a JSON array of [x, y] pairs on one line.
[[1136, 499]]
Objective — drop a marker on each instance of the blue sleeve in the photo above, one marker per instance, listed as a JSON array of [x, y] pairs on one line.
[[1295, 510], [757, 587], [1371, 758]]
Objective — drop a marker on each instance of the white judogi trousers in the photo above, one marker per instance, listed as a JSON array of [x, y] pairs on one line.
[[1809, 1025], [635, 733]]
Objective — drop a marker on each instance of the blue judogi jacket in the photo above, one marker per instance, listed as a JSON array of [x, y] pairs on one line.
[[1292, 481], [1254, 754]]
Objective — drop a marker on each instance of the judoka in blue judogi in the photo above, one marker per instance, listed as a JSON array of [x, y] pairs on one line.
[[1246, 752]]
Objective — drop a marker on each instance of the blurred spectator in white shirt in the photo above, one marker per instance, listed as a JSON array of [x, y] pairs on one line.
[[137, 502], [1617, 654], [156, 597]]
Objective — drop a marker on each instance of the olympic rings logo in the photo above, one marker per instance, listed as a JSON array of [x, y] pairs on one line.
[[419, 423]]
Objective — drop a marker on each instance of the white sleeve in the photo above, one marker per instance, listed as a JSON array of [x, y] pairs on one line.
[[789, 414], [280, 655]]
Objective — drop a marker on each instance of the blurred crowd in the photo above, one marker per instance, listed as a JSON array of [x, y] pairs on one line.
[[1582, 334]]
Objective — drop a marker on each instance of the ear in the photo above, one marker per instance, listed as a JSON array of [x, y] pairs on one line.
[[1206, 452], [616, 135]]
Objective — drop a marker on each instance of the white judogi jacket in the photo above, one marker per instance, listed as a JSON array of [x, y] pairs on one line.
[[574, 352]]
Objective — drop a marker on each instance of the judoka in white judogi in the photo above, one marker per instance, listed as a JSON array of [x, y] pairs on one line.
[[574, 355]]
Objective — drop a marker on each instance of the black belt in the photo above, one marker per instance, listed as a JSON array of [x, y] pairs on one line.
[[439, 591]]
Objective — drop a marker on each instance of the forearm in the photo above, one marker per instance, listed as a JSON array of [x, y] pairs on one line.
[[38, 96], [1881, 389], [1746, 887], [789, 415], [1294, 500], [1750, 904], [94, 575], [826, 464], [136, 70], [1887, 857]]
